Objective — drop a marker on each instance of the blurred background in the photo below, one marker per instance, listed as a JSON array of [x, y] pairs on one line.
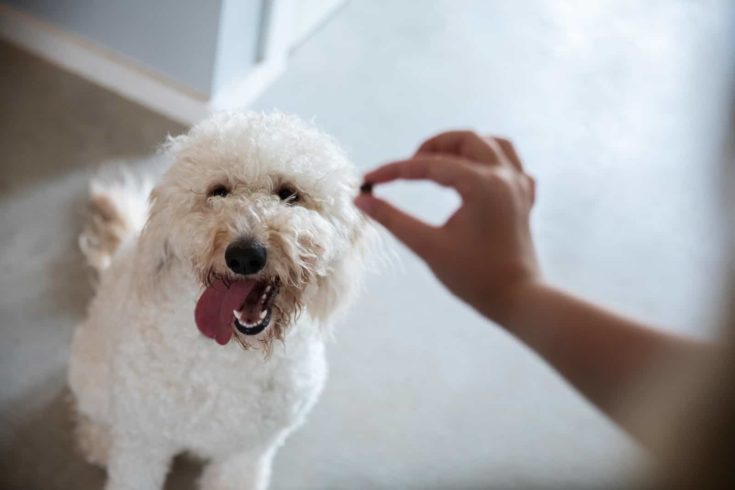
[[620, 108]]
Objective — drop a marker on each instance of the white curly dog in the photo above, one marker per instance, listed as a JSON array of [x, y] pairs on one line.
[[207, 330]]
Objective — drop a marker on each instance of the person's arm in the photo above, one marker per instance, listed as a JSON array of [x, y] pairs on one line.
[[601, 353], [484, 254]]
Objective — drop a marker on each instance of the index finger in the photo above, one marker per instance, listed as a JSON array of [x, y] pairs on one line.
[[449, 172], [464, 144]]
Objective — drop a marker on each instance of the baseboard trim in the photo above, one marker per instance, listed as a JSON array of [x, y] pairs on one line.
[[126, 77]]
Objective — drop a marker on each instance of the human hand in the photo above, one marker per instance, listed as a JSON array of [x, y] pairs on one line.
[[484, 251]]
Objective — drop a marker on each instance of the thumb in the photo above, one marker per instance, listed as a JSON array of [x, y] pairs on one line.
[[415, 234]]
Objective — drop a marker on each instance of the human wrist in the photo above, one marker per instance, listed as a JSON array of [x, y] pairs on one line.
[[507, 303]]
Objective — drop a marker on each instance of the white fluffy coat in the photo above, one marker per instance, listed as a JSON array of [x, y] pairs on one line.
[[147, 384]]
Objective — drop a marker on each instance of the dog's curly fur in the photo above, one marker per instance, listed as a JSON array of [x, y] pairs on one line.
[[147, 384]]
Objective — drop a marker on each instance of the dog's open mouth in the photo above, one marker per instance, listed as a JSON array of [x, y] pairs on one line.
[[255, 313], [246, 305]]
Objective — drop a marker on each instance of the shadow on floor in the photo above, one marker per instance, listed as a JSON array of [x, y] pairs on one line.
[[41, 452]]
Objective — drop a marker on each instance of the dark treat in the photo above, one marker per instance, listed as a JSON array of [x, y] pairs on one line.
[[366, 188]]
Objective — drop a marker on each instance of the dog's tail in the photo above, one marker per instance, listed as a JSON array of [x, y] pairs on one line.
[[118, 205]]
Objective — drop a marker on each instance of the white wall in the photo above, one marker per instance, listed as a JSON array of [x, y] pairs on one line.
[[181, 58], [183, 40]]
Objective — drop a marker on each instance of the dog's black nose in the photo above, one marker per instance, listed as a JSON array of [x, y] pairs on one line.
[[246, 256]]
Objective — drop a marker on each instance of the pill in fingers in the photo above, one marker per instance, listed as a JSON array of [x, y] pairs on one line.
[[366, 188]]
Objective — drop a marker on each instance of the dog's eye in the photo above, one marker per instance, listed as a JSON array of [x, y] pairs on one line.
[[218, 191], [288, 194]]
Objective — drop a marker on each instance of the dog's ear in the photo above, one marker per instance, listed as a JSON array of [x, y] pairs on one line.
[[338, 290], [155, 254]]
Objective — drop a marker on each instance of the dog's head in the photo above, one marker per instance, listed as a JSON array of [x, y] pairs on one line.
[[258, 208]]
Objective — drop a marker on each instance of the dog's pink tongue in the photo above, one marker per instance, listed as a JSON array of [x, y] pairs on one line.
[[213, 313]]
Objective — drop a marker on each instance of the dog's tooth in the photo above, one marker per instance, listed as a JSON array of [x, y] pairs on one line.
[[238, 315], [263, 314]]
